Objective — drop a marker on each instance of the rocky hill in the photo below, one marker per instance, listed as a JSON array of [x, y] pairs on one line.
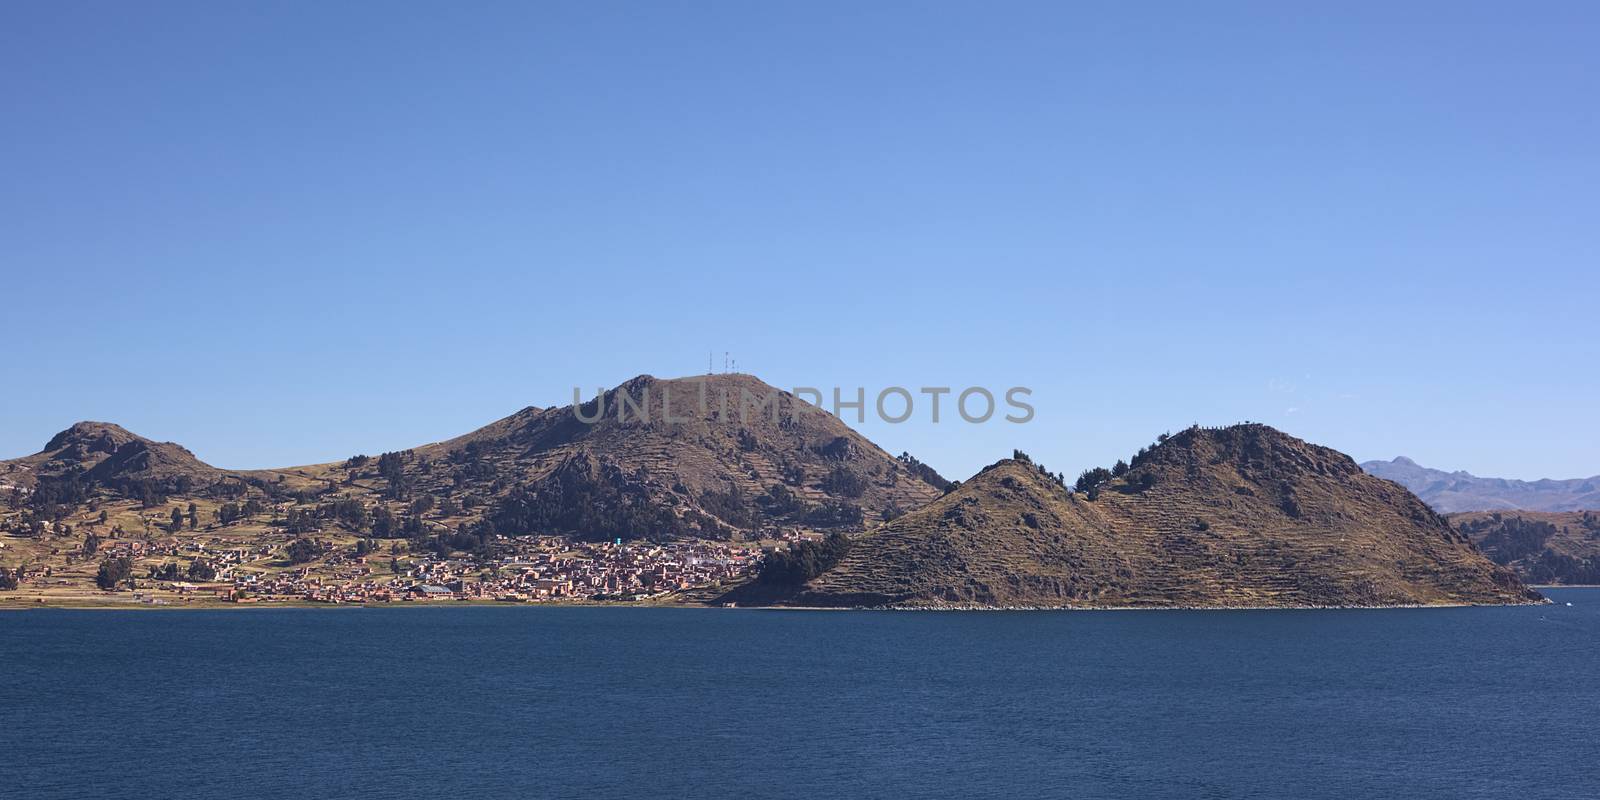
[[1451, 492], [101, 456], [1543, 547], [709, 456], [1239, 516], [720, 456]]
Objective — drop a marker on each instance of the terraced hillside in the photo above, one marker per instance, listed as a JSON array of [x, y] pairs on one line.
[[719, 456], [724, 452], [1239, 516], [1543, 547], [729, 470]]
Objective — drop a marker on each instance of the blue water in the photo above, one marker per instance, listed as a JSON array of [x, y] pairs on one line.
[[620, 702]]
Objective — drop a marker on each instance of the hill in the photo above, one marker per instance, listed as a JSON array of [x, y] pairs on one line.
[[1239, 516], [712, 457], [1543, 547], [643, 461], [1451, 492], [719, 456], [91, 456]]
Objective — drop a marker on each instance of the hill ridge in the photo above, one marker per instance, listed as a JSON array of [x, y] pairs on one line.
[[717, 469], [1220, 517]]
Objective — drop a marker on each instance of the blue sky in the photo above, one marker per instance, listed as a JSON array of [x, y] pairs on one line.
[[288, 233]]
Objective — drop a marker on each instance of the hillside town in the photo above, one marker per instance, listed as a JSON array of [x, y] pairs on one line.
[[220, 565], [531, 569]]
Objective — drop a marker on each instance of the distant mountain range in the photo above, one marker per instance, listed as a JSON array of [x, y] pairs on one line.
[[1452, 492]]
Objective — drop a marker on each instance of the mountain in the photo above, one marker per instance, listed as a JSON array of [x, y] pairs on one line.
[[100, 455], [1238, 516], [1543, 547], [707, 456], [1450, 492], [719, 456]]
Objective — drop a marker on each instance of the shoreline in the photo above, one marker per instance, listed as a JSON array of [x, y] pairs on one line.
[[92, 605], [1544, 602]]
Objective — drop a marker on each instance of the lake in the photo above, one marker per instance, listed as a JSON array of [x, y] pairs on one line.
[[523, 701]]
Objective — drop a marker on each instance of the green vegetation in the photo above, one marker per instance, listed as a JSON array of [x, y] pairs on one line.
[[595, 504], [835, 514], [1092, 479], [804, 560], [301, 551], [843, 482], [113, 572], [928, 474], [1556, 548], [780, 501]]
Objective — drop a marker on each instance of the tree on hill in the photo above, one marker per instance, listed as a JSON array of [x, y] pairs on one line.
[[891, 512], [1092, 479], [201, 570], [449, 507], [113, 572], [301, 551], [301, 521], [804, 560], [779, 501], [384, 524], [792, 473], [842, 482], [928, 474], [835, 514], [349, 512], [8, 580], [391, 467], [423, 504]]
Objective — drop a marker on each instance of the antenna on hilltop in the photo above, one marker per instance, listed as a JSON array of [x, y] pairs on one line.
[[724, 361], [709, 368]]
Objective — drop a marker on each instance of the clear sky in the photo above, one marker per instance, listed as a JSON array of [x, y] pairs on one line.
[[285, 233]]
